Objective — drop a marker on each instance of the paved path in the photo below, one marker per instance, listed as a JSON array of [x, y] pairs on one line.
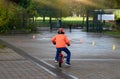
[[14, 66], [95, 58]]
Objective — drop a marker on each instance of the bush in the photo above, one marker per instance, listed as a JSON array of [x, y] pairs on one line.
[[2, 46]]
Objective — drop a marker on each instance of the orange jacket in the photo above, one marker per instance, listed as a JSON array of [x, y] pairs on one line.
[[60, 40]]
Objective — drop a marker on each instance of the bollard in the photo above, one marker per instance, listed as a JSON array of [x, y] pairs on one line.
[[113, 47], [33, 36], [93, 43]]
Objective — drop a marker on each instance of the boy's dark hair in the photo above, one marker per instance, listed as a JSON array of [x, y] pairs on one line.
[[60, 31]]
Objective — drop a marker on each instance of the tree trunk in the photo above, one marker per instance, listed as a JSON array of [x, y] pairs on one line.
[[43, 18]]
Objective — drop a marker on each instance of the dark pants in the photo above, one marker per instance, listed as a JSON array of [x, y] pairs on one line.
[[66, 51]]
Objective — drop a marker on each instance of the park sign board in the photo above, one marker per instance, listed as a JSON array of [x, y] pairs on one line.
[[106, 17]]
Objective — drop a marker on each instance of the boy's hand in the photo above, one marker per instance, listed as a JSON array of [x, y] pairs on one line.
[[68, 44], [54, 43]]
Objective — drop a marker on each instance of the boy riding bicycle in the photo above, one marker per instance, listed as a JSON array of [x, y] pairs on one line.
[[60, 40]]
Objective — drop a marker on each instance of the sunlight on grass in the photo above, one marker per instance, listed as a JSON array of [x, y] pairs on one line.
[[64, 19], [73, 19], [41, 18]]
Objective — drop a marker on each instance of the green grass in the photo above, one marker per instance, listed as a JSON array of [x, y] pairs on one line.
[[72, 19], [2, 46], [64, 18], [116, 33], [66, 21]]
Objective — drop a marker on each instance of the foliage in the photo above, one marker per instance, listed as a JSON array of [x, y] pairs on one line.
[[31, 28], [117, 14], [2, 46], [23, 3], [51, 8], [5, 19], [20, 11]]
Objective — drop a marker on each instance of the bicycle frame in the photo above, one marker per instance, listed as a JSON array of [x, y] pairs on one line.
[[60, 59]]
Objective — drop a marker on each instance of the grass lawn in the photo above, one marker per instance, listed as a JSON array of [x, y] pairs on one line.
[[66, 21], [64, 18], [113, 32]]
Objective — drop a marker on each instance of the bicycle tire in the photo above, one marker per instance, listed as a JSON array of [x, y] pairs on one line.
[[60, 60], [60, 64]]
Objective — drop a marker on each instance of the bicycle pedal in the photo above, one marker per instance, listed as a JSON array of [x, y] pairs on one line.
[[65, 56]]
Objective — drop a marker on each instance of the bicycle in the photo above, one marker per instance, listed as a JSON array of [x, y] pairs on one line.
[[61, 59]]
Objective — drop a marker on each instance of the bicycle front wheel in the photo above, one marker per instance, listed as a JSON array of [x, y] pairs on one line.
[[60, 64]]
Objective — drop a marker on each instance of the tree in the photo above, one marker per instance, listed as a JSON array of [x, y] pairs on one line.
[[5, 16]]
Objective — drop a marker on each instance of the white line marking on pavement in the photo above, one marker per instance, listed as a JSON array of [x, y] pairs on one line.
[[55, 67], [70, 75], [47, 64], [43, 38], [90, 59], [96, 59], [47, 70]]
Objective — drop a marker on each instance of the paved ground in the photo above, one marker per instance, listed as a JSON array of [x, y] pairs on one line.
[[98, 57], [14, 66]]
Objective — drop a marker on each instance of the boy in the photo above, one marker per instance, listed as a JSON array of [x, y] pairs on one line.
[[60, 40]]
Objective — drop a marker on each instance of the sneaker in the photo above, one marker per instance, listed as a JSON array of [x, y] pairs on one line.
[[67, 64], [56, 61]]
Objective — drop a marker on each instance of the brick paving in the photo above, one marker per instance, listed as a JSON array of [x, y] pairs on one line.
[[14, 66]]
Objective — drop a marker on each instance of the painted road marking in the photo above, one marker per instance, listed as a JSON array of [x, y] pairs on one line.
[[52, 73], [72, 76], [110, 59], [47, 63]]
